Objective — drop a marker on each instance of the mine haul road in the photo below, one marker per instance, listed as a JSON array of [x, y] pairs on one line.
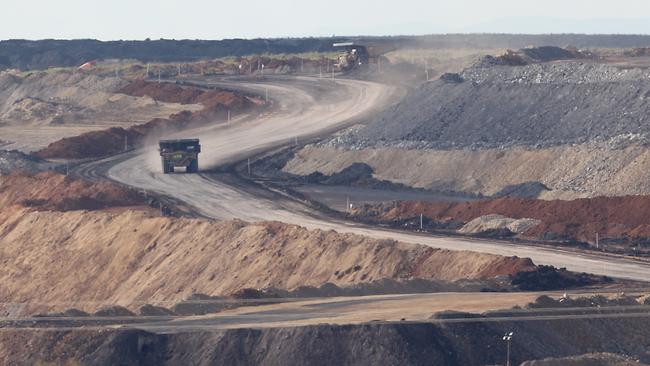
[[303, 108]]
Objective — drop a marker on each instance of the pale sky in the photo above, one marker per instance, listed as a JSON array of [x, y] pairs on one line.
[[204, 19]]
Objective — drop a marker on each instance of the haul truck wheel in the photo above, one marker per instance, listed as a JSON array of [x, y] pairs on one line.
[[167, 168], [194, 166]]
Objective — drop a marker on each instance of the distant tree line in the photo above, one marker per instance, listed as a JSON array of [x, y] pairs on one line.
[[30, 55]]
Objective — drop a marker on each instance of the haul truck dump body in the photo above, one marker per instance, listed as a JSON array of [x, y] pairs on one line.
[[180, 153]]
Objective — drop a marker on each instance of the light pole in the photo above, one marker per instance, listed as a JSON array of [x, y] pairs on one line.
[[508, 339]]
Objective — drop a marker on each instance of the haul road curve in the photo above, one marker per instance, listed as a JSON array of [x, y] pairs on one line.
[[309, 107]]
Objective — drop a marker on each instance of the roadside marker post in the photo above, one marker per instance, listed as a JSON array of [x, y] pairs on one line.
[[508, 339]]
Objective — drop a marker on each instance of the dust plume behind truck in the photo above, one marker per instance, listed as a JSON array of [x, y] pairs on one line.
[[180, 153]]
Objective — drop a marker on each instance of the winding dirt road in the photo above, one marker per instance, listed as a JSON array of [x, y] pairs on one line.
[[307, 107]]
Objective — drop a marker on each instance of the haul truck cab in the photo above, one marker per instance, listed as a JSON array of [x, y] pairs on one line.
[[180, 153]]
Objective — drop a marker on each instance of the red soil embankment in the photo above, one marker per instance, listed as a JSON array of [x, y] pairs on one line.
[[212, 100], [53, 191], [625, 217], [96, 144]]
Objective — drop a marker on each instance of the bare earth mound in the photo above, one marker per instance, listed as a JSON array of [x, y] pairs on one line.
[[132, 256], [37, 108], [95, 144], [53, 191], [614, 218]]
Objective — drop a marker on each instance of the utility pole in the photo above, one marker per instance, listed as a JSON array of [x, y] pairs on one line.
[[421, 222], [597, 244], [508, 339]]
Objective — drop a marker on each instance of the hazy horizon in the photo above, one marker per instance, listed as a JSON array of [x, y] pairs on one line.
[[202, 19]]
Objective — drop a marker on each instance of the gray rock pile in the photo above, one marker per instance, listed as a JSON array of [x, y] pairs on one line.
[[536, 105]]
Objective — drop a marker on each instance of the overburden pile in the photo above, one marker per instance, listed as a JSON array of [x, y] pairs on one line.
[[495, 106], [614, 218], [94, 144]]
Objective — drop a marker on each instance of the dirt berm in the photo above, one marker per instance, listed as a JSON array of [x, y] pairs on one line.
[[614, 218], [132, 256], [95, 144], [54, 191], [67, 97], [469, 343]]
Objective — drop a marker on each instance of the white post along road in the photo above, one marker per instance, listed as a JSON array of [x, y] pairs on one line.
[[308, 107]]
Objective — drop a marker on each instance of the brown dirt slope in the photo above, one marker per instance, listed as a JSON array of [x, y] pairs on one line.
[[612, 217], [133, 256], [111, 141], [170, 93], [53, 191]]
